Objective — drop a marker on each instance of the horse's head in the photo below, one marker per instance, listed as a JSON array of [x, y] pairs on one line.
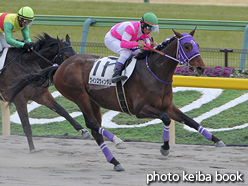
[[65, 50], [188, 52], [54, 49]]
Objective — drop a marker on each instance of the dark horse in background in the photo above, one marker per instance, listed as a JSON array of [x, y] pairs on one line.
[[20, 62], [148, 90]]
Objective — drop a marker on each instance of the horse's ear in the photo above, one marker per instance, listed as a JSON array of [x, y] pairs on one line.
[[192, 32], [60, 43], [67, 38], [178, 35]]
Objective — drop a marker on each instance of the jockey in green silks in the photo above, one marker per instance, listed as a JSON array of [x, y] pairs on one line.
[[10, 22]]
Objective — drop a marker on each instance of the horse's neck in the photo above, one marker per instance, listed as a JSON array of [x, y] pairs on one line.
[[164, 67], [28, 59]]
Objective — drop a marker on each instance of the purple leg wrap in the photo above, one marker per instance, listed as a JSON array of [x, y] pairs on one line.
[[109, 156], [166, 134], [205, 133], [106, 133]]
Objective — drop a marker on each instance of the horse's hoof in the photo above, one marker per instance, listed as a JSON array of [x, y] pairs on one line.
[[164, 152], [220, 144], [119, 167], [119, 144], [35, 151], [85, 134]]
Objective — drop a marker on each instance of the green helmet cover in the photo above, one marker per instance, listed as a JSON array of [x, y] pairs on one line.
[[150, 19], [26, 13]]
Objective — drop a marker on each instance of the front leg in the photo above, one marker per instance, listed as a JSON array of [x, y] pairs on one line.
[[22, 111], [148, 111], [179, 116]]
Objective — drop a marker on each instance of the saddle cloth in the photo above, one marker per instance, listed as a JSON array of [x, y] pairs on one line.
[[3, 55], [103, 69]]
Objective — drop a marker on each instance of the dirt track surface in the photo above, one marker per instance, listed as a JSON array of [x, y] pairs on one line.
[[75, 162]]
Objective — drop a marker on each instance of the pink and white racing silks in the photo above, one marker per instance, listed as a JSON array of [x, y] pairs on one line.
[[129, 33]]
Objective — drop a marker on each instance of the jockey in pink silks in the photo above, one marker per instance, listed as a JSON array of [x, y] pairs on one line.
[[123, 39]]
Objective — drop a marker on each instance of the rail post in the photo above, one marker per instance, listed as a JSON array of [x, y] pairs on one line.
[[5, 118], [86, 28], [226, 50], [244, 47]]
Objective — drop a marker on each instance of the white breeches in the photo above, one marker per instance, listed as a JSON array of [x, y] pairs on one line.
[[3, 43], [114, 45]]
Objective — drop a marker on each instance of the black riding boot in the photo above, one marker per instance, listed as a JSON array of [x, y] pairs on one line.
[[117, 75]]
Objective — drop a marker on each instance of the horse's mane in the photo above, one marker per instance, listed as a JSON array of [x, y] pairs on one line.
[[161, 46], [44, 42]]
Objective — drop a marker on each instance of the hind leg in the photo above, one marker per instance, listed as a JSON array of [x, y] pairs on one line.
[[177, 115], [47, 100], [100, 141], [119, 144], [92, 115]]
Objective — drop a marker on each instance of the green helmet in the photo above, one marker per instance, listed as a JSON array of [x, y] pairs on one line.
[[26, 13], [151, 20]]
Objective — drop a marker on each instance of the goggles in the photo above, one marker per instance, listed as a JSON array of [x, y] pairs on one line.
[[154, 28], [27, 21]]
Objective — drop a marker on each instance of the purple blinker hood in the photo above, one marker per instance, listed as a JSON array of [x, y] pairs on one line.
[[186, 57]]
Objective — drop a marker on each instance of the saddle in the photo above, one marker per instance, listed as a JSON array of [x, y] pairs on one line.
[[103, 68], [101, 74], [3, 55]]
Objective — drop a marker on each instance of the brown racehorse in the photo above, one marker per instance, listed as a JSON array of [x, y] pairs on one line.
[[148, 90], [19, 62]]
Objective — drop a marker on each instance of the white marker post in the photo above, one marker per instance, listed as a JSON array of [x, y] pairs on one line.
[[172, 133], [5, 119]]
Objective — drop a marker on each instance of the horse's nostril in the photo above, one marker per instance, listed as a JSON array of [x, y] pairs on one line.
[[200, 69]]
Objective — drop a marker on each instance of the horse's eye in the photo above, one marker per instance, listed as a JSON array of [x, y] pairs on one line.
[[188, 47], [66, 56]]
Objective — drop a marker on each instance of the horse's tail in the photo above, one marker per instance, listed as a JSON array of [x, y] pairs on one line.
[[43, 78]]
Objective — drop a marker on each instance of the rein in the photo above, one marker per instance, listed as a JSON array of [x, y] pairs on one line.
[[155, 75], [162, 53], [42, 57]]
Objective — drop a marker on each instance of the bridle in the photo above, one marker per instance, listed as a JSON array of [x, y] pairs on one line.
[[65, 49], [182, 57]]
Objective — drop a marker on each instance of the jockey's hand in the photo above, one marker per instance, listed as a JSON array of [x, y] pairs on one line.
[[28, 46], [153, 44], [141, 44]]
